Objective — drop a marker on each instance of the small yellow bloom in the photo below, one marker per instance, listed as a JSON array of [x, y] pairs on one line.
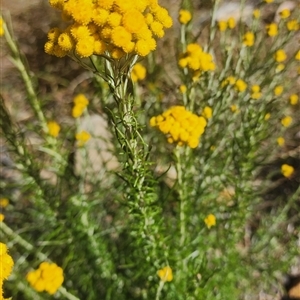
[[210, 221], [184, 16], [286, 121], [278, 90], [138, 72], [256, 94], [48, 277], [231, 22], [256, 13], [248, 39], [267, 116], [207, 112], [6, 263], [234, 108], [279, 68], [165, 274], [280, 55], [297, 56], [294, 99], [272, 29], [1, 27], [2, 217], [287, 170], [269, 1], [82, 137], [222, 25], [4, 202], [292, 25], [183, 88], [53, 128], [80, 103], [240, 85], [285, 13], [280, 141]]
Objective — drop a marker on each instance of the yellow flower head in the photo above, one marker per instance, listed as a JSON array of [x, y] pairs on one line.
[[280, 141], [240, 85], [184, 16], [272, 29], [280, 55], [82, 137], [80, 103], [267, 116], [256, 13], [115, 26], [48, 277], [269, 1], [138, 72], [256, 94], [286, 121], [294, 99], [4, 202], [297, 56], [196, 59], [231, 22], [287, 170], [248, 39], [279, 68], [2, 217], [165, 274], [222, 25], [292, 25], [234, 108], [285, 13], [6, 263], [207, 112], [1, 27], [180, 126], [53, 128], [278, 90], [210, 221], [182, 88]]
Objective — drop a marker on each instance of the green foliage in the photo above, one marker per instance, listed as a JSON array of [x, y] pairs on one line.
[[113, 216]]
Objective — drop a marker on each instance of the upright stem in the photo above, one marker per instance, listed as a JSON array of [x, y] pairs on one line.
[[182, 196]]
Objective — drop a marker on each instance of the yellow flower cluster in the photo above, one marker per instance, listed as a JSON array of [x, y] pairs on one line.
[[180, 125], [184, 16], [80, 104], [53, 128], [6, 266], [287, 170], [196, 59], [114, 27], [3, 203], [165, 274], [286, 121], [210, 221], [223, 25], [248, 39], [1, 27], [280, 55], [82, 137], [256, 93], [48, 277], [239, 84], [138, 72], [293, 99], [272, 29]]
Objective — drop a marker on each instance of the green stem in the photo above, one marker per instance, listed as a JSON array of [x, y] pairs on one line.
[[18, 62], [182, 196], [159, 289]]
